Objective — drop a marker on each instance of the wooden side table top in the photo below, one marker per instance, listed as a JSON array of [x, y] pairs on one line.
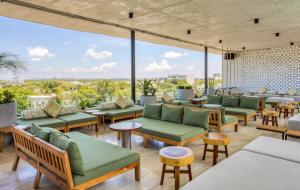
[[125, 126], [272, 128], [287, 106], [216, 139], [270, 113], [176, 156]]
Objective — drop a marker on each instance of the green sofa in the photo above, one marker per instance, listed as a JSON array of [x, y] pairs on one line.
[[160, 123], [242, 107], [69, 153]]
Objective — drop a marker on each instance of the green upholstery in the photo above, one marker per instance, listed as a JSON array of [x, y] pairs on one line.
[[152, 111], [77, 118], [239, 111], [249, 102], [197, 118], [43, 122], [179, 102], [74, 153], [119, 112], [191, 105], [171, 113], [100, 158], [216, 107], [136, 108], [42, 132], [173, 131], [230, 101], [230, 119], [273, 102], [214, 99]]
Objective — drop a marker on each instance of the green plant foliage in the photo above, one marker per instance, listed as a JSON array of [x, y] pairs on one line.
[[147, 87], [6, 97]]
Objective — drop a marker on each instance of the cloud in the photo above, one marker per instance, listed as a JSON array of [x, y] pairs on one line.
[[93, 53], [38, 53], [163, 66], [95, 69], [66, 43], [190, 68], [174, 54]]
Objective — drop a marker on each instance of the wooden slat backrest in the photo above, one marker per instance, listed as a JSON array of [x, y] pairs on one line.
[[52, 158], [24, 142]]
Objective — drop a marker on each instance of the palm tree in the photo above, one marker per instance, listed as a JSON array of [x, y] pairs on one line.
[[10, 62]]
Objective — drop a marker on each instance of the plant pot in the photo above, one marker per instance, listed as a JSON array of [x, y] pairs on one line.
[[185, 94], [8, 114], [147, 100], [210, 91]]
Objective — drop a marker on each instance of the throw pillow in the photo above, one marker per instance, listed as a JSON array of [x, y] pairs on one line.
[[33, 114], [172, 113], [42, 132], [107, 106], [166, 97], [195, 117], [121, 102], [262, 90], [152, 111], [52, 108], [69, 145], [230, 101], [214, 99], [68, 110], [292, 92], [249, 102]]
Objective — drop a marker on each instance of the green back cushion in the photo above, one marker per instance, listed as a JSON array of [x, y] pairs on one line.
[[195, 117], [152, 111], [172, 113], [230, 101], [249, 102], [216, 107], [64, 143], [214, 99], [41, 132]]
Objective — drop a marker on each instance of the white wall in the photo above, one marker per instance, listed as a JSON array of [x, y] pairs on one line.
[[278, 69]]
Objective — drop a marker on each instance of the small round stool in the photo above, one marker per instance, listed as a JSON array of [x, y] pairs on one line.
[[270, 113], [177, 157], [286, 109], [216, 140], [296, 104]]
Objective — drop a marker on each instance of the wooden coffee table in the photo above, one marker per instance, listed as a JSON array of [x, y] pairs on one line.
[[177, 157], [216, 140], [281, 130], [125, 128]]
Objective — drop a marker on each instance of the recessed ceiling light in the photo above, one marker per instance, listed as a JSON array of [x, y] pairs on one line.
[[188, 32], [130, 15], [292, 43], [220, 41], [277, 34], [256, 20], [244, 48]]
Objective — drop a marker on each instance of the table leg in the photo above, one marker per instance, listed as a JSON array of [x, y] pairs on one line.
[[276, 121], [163, 174], [2, 141], [190, 172], [126, 139], [226, 151], [204, 152], [177, 177], [215, 156]]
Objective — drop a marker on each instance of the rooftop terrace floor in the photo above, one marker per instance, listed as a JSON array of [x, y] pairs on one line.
[[151, 167]]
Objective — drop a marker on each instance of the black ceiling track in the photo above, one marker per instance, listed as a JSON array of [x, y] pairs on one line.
[[79, 17]]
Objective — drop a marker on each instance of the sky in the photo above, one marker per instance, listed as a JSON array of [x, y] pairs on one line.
[[51, 52]]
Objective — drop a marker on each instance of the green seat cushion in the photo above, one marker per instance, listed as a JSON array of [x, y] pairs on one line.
[[230, 101], [273, 102], [136, 108], [230, 119], [100, 158], [239, 111], [191, 105], [172, 113], [216, 107], [119, 112], [214, 99], [65, 143], [173, 131], [152, 111], [249, 102], [43, 122], [195, 117], [78, 117]]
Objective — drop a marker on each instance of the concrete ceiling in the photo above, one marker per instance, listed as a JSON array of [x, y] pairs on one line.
[[209, 20]]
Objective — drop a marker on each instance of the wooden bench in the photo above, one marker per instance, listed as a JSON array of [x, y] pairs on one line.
[[281, 130], [292, 133], [4, 131]]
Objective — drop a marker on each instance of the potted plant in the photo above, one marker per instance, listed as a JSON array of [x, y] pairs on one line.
[[185, 93], [211, 87], [148, 92], [8, 107]]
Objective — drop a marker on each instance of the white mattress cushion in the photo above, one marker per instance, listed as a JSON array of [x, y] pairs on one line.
[[294, 122], [287, 150], [248, 171]]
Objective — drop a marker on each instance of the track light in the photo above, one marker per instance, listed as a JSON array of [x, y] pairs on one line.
[[220, 41], [277, 34], [256, 20], [292, 43], [188, 32], [130, 15]]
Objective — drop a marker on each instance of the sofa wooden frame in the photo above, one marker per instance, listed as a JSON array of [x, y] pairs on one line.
[[54, 163], [113, 119], [215, 123], [245, 118], [83, 124]]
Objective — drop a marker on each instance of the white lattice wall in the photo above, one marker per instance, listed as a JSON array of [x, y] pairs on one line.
[[278, 69]]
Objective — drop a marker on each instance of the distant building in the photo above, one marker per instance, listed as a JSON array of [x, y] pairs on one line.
[[217, 76], [38, 101], [13, 82], [189, 78]]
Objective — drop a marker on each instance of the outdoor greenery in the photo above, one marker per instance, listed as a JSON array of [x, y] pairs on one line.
[[6, 97], [147, 87]]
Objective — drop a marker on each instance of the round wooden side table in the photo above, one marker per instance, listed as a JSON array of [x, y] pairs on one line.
[[216, 140], [270, 113], [177, 157], [286, 109], [125, 128]]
